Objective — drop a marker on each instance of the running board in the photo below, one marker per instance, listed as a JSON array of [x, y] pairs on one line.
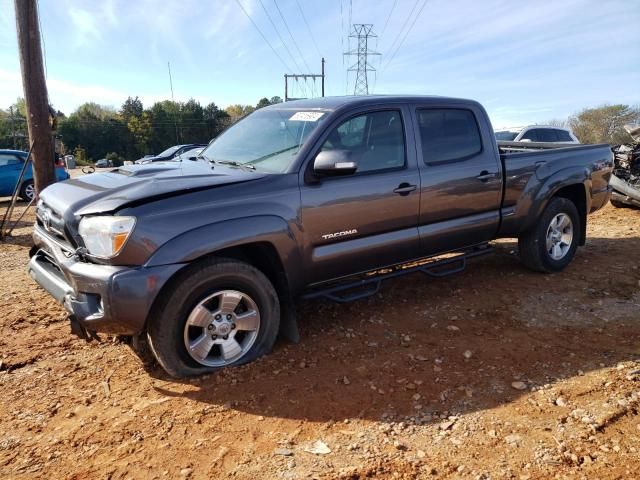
[[369, 283]]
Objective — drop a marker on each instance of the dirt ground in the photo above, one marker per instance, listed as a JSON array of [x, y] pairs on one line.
[[497, 372]]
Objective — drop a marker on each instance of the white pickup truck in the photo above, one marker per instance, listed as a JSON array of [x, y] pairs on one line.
[[536, 133]]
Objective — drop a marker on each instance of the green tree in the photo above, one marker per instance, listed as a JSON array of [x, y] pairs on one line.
[[275, 100], [132, 107], [215, 119], [192, 124], [141, 130], [164, 119], [98, 129], [264, 102], [604, 124], [238, 111]]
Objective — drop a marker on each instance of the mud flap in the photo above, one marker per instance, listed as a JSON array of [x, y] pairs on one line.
[[289, 320], [78, 329]]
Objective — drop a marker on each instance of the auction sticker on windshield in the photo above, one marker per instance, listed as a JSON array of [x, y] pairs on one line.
[[306, 116]]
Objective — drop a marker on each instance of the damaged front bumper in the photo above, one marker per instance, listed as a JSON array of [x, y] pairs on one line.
[[100, 298]]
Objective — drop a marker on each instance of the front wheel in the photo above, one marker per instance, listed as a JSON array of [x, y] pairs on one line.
[[218, 313], [552, 243]]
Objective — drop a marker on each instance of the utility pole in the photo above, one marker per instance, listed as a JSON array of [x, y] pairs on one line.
[[362, 32], [35, 93], [303, 76]]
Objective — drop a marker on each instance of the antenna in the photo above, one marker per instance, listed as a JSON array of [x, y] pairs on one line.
[[170, 80], [173, 101]]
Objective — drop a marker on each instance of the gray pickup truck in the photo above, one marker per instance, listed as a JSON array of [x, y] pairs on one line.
[[206, 259]]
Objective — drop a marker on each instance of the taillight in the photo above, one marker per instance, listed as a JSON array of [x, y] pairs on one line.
[[59, 163]]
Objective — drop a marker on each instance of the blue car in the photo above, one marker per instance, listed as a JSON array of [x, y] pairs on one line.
[[11, 162]]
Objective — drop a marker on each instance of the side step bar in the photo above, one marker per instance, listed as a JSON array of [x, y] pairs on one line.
[[368, 284]]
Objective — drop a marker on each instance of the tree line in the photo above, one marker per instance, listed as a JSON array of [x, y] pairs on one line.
[[96, 131]]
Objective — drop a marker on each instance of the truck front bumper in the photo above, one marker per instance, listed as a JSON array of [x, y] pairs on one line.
[[102, 298]]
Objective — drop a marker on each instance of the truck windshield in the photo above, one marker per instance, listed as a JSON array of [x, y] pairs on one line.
[[268, 139]]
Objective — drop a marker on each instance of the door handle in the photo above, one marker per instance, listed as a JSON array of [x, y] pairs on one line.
[[404, 189], [485, 175]]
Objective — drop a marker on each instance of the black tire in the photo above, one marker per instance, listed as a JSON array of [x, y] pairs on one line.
[[27, 191], [618, 204], [166, 328], [532, 245]]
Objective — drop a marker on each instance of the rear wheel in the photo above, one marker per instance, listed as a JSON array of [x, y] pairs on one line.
[[218, 313], [617, 204], [552, 243], [28, 191]]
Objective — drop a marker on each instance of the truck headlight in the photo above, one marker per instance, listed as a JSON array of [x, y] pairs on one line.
[[105, 236]]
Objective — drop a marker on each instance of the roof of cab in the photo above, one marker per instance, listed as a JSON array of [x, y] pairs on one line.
[[334, 103]]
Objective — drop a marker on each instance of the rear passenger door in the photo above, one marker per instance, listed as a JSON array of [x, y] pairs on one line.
[[461, 178]]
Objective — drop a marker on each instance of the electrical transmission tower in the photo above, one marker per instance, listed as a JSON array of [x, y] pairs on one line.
[[362, 32]]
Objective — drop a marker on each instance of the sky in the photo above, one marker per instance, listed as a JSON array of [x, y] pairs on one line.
[[525, 61]]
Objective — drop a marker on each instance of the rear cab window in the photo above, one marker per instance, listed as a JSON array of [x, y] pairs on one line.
[[563, 136], [448, 134]]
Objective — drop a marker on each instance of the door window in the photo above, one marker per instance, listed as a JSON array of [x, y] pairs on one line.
[[375, 140], [448, 135], [6, 159], [531, 135]]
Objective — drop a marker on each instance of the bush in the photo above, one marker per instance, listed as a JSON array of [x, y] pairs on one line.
[[81, 157], [115, 159]]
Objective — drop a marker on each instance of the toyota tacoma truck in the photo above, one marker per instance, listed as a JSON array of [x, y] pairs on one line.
[[205, 260]]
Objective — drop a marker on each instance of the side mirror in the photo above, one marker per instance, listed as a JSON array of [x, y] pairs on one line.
[[332, 163]]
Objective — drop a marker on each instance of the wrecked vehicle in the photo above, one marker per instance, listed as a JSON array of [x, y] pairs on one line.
[[320, 198], [626, 173]]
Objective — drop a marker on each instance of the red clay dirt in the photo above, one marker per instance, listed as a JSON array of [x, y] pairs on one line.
[[497, 372]]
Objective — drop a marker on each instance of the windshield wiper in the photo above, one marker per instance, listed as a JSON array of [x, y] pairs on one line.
[[273, 154], [234, 163]]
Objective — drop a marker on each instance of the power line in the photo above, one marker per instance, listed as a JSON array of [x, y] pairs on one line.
[[280, 37], [415, 19], [263, 37], [295, 44], [313, 38], [405, 23], [278, 33], [384, 29]]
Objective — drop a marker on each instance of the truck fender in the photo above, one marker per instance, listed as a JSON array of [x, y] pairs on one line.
[[551, 187], [215, 237]]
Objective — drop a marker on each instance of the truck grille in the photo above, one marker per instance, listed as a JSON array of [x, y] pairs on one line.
[[53, 224]]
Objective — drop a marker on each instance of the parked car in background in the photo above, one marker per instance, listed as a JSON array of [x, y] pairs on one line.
[[189, 154], [104, 163], [536, 133], [11, 162], [170, 153]]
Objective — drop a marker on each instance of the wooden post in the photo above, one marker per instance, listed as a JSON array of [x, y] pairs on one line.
[[35, 93]]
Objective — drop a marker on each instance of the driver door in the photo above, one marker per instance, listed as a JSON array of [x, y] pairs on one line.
[[368, 219]]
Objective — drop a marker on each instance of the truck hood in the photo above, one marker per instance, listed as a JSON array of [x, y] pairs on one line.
[[109, 191]]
